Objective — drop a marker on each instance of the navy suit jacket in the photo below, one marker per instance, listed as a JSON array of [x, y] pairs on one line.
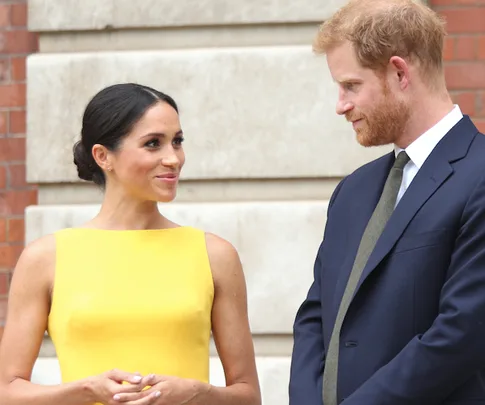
[[414, 333]]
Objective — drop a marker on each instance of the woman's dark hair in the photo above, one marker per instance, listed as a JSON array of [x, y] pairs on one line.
[[108, 118]]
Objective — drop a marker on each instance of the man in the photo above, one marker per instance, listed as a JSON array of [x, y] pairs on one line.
[[396, 312]]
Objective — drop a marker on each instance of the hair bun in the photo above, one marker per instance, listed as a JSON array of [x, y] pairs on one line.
[[86, 166]]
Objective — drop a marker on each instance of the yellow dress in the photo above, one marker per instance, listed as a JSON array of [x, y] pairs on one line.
[[139, 301]]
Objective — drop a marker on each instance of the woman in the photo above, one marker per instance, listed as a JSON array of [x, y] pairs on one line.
[[129, 299]]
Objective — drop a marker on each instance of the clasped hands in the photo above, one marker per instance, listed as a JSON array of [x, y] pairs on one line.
[[118, 387]]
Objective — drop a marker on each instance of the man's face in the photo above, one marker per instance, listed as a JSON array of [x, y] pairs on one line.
[[378, 116]]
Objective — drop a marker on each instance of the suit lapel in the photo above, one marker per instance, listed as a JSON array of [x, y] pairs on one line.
[[421, 189], [430, 177]]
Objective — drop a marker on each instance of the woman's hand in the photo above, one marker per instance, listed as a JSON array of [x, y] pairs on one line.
[[164, 390], [105, 387]]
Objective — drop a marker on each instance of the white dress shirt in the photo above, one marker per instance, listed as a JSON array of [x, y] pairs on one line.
[[422, 147]]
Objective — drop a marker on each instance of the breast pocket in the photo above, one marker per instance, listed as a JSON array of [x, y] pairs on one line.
[[421, 240]]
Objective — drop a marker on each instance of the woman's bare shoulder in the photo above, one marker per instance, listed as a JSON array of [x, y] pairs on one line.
[[220, 249], [42, 248], [38, 257], [224, 260]]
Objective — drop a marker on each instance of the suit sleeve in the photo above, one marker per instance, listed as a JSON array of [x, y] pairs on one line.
[[308, 357], [432, 365]]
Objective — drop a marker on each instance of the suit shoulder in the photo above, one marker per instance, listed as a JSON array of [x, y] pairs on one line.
[[479, 140], [474, 161]]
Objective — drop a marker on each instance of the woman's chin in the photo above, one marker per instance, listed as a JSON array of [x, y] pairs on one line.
[[166, 197]]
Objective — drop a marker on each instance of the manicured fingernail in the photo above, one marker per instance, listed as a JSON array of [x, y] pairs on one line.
[[151, 376], [116, 397], [156, 394], [137, 378]]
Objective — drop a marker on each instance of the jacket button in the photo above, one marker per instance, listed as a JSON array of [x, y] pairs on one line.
[[351, 343]]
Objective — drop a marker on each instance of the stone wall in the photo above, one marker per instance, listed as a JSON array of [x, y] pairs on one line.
[[264, 146]]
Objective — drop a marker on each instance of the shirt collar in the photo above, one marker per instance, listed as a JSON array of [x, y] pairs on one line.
[[422, 147]]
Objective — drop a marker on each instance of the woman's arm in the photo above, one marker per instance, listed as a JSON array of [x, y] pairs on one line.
[[231, 331], [28, 310]]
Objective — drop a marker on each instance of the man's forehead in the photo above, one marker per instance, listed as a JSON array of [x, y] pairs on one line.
[[345, 67], [341, 56]]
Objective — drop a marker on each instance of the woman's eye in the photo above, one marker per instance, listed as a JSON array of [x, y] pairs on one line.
[[154, 143], [178, 141]]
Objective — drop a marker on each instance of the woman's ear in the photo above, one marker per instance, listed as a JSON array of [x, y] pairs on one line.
[[102, 157]]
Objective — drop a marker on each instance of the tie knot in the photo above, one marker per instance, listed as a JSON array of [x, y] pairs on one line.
[[401, 161]]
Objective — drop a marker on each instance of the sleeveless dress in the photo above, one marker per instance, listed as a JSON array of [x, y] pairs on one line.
[[139, 301]]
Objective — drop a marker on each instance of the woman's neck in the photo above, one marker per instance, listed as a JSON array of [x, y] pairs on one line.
[[120, 212]]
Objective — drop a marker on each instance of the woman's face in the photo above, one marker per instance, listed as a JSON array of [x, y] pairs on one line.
[[148, 162]]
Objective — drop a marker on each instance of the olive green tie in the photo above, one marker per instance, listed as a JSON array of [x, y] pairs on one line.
[[374, 228]]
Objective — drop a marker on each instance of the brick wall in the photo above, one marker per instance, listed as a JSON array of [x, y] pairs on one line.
[[464, 54], [15, 194]]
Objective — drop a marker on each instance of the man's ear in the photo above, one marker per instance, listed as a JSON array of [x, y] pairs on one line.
[[399, 72]]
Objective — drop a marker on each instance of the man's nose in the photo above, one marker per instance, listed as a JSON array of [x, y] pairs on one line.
[[343, 107]]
